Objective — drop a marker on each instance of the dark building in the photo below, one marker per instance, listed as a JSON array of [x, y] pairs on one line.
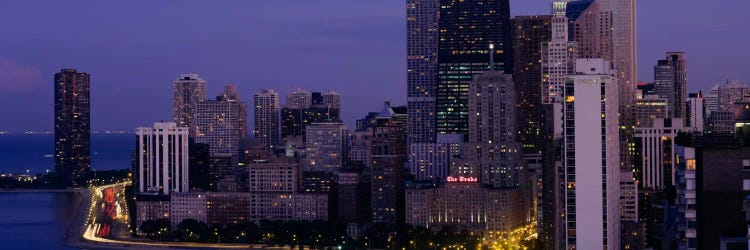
[[221, 173], [573, 10], [529, 33], [421, 63], [552, 203], [294, 120], [199, 166], [72, 127], [646, 88], [388, 159], [475, 36], [717, 183], [353, 196]]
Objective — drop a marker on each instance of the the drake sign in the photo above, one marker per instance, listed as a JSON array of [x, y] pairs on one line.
[[461, 179]]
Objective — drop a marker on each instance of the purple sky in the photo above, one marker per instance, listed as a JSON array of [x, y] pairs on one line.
[[134, 50]]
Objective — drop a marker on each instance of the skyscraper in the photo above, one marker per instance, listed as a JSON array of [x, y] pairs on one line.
[[664, 85], [299, 99], [469, 43], [591, 157], [72, 127], [529, 33], [332, 99], [188, 91], [387, 175], [162, 159], [325, 146], [267, 122], [421, 73], [222, 123], [696, 112], [677, 60]]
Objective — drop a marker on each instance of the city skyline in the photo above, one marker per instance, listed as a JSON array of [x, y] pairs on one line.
[[121, 61]]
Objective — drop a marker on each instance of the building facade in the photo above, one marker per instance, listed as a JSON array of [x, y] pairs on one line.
[[187, 91], [162, 159], [222, 123], [421, 62], [388, 160], [72, 127], [185, 206], [267, 122], [325, 146], [272, 185]]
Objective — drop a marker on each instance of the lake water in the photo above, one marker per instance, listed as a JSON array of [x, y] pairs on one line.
[[19, 153], [35, 220]]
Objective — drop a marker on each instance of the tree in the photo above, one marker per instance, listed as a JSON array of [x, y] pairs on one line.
[[192, 230]]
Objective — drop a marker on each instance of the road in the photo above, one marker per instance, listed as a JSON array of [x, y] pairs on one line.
[[106, 225]]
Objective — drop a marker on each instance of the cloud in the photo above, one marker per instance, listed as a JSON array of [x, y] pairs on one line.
[[18, 77]]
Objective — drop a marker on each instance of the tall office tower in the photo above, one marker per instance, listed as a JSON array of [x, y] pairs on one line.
[[493, 148], [677, 60], [162, 159], [188, 91], [325, 146], [558, 55], [222, 123], [72, 127], [529, 34], [696, 112], [552, 203], [332, 99], [730, 93], [387, 168], [591, 157], [267, 122], [468, 44], [649, 108], [655, 168], [421, 63], [721, 120], [664, 85], [712, 100], [299, 99], [432, 161]]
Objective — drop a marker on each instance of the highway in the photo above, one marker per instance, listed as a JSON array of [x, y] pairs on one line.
[[106, 225]]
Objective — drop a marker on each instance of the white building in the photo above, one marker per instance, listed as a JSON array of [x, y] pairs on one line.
[[557, 56], [267, 118], [187, 206], [696, 112], [657, 146], [162, 158], [591, 156]]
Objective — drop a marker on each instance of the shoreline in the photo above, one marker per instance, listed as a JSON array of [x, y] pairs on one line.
[[39, 190]]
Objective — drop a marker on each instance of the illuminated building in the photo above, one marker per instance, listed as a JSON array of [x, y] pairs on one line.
[[267, 127], [311, 207], [162, 159], [187, 206], [222, 123], [299, 99], [648, 109], [421, 63], [187, 91], [388, 159], [696, 112], [151, 207], [360, 149], [432, 161], [227, 208], [529, 34], [272, 185], [591, 157], [467, 44], [324, 146], [72, 127]]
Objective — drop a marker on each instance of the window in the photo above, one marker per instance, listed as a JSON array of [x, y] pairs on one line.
[[746, 185]]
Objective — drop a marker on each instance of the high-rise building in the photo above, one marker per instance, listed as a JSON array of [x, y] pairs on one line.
[[529, 34], [267, 122], [677, 60], [721, 117], [188, 91], [696, 112], [558, 55], [299, 99], [222, 123], [493, 148], [325, 146], [272, 184], [387, 168], [664, 85], [591, 157], [72, 127], [332, 99], [421, 63], [360, 149], [432, 161], [162, 159], [468, 44], [655, 168], [649, 108]]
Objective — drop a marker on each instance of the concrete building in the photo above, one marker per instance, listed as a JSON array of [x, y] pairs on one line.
[[188, 90], [656, 144], [387, 175], [648, 109], [151, 207], [162, 159], [332, 99], [592, 189], [696, 112], [353, 196], [558, 56], [72, 127], [422, 64], [227, 208], [267, 121], [272, 185], [324, 146], [432, 161], [299, 99], [185, 206], [222, 123], [360, 148], [311, 206]]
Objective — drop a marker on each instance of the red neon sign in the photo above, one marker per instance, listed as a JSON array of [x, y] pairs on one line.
[[461, 179]]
